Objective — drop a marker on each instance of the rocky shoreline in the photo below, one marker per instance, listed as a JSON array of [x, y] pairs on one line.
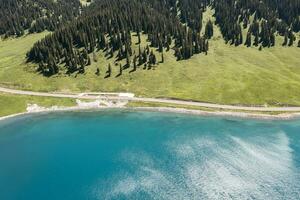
[[31, 109]]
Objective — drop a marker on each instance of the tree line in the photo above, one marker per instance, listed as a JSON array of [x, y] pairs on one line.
[[110, 30], [107, 25], [263, 18], [18, 16]]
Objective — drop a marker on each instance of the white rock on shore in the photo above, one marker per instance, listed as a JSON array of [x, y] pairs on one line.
[[31, 108]]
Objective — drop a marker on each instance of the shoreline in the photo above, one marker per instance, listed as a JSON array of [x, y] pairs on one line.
[[241, 115]]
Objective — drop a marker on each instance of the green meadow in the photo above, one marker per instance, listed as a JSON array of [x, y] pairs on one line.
[[227, 75], [11, 104]]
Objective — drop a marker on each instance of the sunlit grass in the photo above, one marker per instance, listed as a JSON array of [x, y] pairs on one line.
[[11, 104], [227, 75]]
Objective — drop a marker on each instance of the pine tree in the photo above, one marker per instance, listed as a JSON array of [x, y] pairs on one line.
[[127, 60], [285, 41], [209, 31], [256, 39], [272, 39], [88, 61], [292, 38], [85, 54], [206, 47], [134, 63], [139, 37], [152, 59], [97, 71], [108, 72], [144, 56], [70, 43], [248, 40], [121, 69], [178, 54], [140, 59]]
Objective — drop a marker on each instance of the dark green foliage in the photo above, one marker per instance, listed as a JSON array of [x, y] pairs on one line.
[[285, 41], [121, 69], [248, 40], [97, 71], [134, 63], [127, 60], [291, 37], [35, 15], [209, 31], [108, 72], [107, 25], [152, 59], [272, 39], [274, 16]]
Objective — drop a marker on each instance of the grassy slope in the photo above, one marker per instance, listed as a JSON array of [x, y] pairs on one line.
[[228, 75], [11, 104]]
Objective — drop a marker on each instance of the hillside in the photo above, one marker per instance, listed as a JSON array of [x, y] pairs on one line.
[[204, 60], [178, 25], [17, 17]]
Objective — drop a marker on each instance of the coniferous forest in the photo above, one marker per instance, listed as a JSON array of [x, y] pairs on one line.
[[107, 25], [19, 16]]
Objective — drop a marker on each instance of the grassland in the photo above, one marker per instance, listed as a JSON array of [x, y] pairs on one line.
[[227, 75], [11, 104]]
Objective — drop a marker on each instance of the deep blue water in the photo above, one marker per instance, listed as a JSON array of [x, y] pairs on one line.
[[147, 155]]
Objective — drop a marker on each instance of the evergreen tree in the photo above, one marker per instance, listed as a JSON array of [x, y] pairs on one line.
[[209, 30], [108, 72], [256, 40], [121, 69], [97, 71], [248, 40], [88, 61], [285, 41], [139, 37], [134, 63], [103, 26], [272, 39], [127, 60], [292, 38]]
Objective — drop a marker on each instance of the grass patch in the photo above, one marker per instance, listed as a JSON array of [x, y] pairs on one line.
[[12, 104], [227, 75]]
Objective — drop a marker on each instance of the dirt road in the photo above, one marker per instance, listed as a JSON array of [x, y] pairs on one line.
[[130, 97]]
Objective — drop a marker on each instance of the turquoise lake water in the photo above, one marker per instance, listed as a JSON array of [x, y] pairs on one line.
[[147, 155]]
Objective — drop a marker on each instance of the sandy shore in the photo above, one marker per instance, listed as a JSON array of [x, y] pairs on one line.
[[13, 115], [286, 116], [66, 109], [120, 100]]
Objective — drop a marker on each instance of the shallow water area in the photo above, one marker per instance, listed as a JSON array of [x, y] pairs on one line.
[[121, 154]]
